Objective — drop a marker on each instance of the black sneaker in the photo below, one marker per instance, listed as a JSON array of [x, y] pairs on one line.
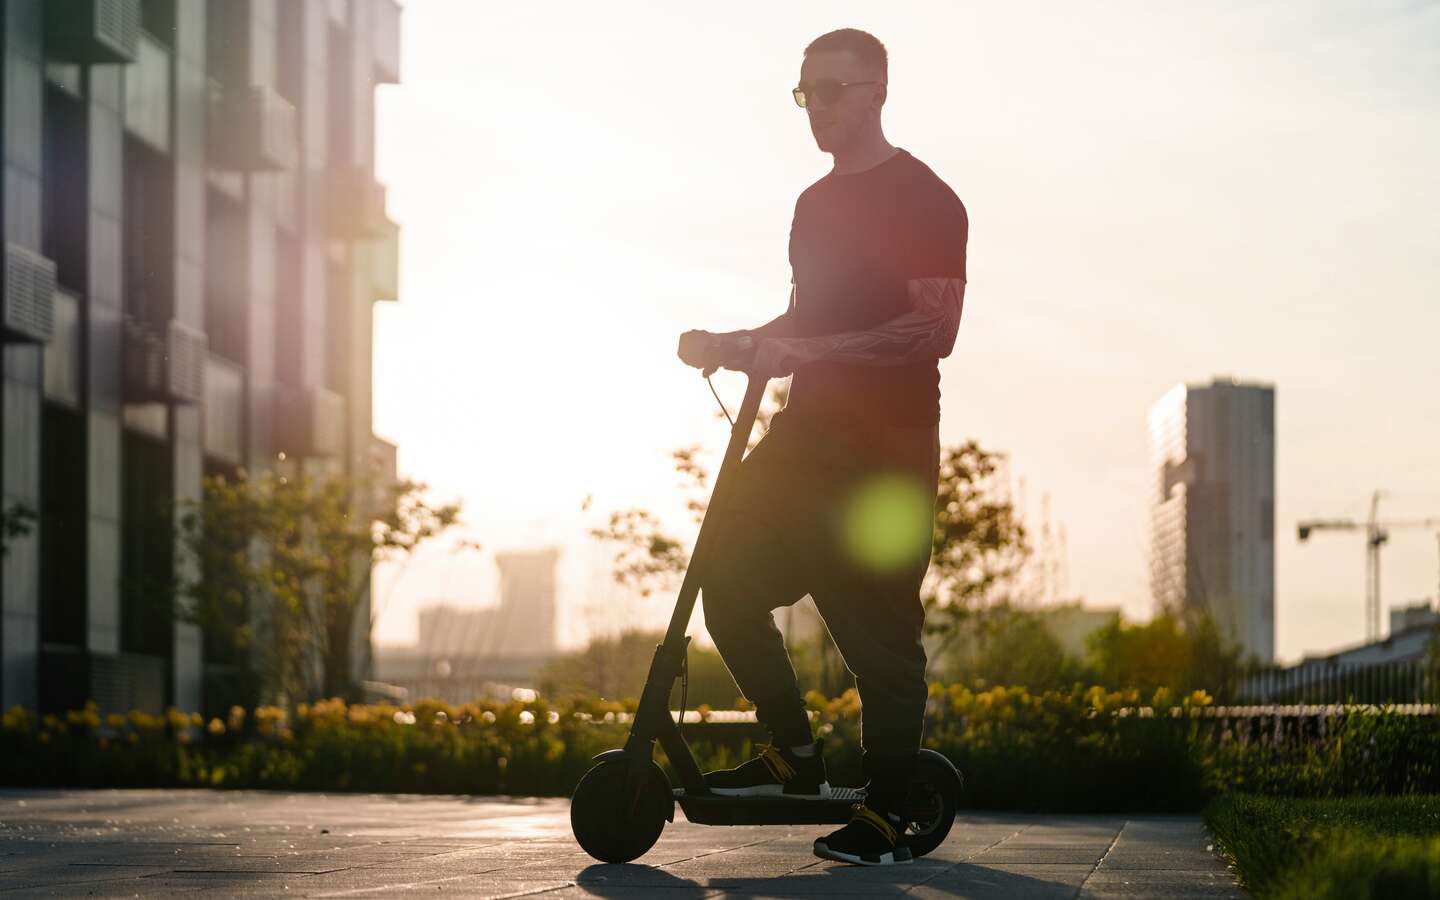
[[871, 838], [776, 772]]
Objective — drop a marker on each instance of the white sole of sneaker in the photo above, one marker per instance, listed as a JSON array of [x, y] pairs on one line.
[[772, 790], [884, 859]]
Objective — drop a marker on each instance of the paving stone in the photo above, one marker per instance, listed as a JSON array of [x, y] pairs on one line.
[[984, 883], [1161, 844], [1005, 853], [159, 843], [1206, 883]]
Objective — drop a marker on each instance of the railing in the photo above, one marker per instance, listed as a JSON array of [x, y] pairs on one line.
[[1402, 681]]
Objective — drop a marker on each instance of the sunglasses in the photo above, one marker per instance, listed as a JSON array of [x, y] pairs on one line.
[[827, 91]]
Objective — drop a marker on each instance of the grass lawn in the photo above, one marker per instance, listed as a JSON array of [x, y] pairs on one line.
[[1357, 847]]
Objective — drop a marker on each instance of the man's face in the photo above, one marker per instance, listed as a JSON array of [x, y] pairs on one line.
[[839, 123]]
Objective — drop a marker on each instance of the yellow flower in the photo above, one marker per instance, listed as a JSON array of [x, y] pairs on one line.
[[18, 718], [216, 727]]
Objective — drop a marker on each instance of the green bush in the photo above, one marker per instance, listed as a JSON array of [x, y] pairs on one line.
[[1308, 849], [1077, 750], [1326, 756]]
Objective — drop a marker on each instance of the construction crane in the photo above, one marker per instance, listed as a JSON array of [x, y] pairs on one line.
[[1376, 534]]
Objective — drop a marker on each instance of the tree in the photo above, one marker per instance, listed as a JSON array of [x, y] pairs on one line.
[[16, 521], [980, 544], [290, 555], [1183, 654], [1004, 645]]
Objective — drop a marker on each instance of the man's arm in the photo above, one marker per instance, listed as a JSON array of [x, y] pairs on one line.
[[926, 332], [703, 350]]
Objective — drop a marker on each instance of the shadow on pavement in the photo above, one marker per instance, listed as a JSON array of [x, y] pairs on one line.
[[945, 879]]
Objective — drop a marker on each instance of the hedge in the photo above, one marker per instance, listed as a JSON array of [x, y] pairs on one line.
[[1078, 750]]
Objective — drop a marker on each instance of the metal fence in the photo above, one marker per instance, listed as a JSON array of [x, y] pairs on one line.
[[1404, 681]]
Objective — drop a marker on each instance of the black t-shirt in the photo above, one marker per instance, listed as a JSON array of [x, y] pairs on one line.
[[854, 244]]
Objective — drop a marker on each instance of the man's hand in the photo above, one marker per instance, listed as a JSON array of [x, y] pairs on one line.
[[772, 360], [708, 352], [697, 348], [735, 350]]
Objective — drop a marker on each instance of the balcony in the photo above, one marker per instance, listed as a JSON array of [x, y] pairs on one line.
[[252, 129], [28, 297], [386, 34], [385, 264], [92, 32], [357, 204], [310, 422], [164, 364]]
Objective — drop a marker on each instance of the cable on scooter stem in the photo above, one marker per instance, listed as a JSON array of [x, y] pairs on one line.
[[719, 401]]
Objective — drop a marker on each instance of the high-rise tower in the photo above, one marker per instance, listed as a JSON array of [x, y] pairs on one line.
[[1212, 452]]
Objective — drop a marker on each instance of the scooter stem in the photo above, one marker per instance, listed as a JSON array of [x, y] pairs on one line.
[[652, 719], [734, 452]]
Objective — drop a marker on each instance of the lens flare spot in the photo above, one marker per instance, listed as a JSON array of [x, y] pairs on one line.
[[888, 523]]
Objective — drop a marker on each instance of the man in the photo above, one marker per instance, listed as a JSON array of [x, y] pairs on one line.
[[837, 500]]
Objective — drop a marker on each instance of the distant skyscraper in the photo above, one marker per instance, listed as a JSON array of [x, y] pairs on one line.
[[1212, 452], [527, 586], [522, 624]]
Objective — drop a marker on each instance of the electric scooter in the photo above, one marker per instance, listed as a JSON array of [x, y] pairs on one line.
[[622, 804]]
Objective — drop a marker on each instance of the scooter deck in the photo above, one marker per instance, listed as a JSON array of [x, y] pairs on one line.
[[713, 809]]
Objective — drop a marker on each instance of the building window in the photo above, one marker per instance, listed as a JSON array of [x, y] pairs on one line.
[[147, 552], [64, 525]]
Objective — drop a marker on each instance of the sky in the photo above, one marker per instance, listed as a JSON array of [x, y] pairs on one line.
[[1158, 193]]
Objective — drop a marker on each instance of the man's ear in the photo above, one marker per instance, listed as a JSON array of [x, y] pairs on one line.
[[882, 90]]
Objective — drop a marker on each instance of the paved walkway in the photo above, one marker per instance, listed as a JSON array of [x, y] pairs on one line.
[[159, 843]]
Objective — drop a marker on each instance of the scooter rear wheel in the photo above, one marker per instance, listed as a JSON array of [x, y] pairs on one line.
[[617, 815], [933, 801]]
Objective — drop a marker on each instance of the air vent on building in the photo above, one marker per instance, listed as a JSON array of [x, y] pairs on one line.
[[310, 422], [94, 32], [252, 129], [164, 365], [357, 204], [28, 295]]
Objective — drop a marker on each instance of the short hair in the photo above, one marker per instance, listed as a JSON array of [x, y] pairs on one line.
[[866, 47]]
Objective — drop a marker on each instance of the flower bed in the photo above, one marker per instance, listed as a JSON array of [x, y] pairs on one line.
[[1078, 750]]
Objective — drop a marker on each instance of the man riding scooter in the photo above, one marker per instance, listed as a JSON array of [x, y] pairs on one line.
[[877, 253]]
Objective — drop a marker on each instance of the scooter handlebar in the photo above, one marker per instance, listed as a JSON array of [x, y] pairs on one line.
[[708, 352]]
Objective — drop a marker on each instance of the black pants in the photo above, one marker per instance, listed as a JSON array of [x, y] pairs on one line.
[[845, 515]]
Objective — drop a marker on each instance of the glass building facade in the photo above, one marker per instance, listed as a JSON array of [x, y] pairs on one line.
[[194, 239], [1212, 455]]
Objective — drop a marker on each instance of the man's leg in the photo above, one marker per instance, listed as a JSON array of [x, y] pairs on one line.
[[754, 570], [876, 623], [738, 602], [876, 617]]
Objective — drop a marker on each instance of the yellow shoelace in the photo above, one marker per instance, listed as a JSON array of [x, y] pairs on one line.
[[863, 813], [777, 764]]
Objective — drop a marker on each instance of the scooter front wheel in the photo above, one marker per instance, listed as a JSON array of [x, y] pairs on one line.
[[933, 801], [617, 813]]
